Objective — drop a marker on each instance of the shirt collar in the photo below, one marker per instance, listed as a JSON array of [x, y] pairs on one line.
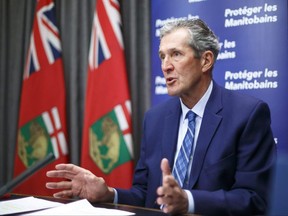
[[199, 107]]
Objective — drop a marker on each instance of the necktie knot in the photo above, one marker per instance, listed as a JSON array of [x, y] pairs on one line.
[[190, 116]]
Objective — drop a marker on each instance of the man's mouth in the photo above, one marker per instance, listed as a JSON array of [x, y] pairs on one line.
[[170, 80]]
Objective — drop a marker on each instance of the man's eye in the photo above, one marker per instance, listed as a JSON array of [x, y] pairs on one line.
[[176, 54]]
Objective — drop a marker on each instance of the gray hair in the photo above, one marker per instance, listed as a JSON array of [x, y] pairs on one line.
[[202, 37]]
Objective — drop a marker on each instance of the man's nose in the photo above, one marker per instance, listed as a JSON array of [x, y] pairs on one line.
[[167, 65]]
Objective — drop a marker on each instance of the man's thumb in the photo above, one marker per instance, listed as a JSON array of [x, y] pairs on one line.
[[165, 167]]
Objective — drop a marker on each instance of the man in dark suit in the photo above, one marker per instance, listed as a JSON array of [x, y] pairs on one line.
[[233, 149]]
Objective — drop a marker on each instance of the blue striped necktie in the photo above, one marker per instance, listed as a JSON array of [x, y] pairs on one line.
[[182, 162]]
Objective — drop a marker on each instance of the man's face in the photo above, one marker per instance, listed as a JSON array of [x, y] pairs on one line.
[[181, 69]]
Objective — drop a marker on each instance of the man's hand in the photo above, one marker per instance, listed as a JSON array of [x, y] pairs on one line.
[[173, 199], [81, 183]]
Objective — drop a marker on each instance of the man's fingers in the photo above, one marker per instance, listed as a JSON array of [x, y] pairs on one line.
[[53, 174], [168, 178], [69, 167], [165, 168], [51, 185], [59, 185], [63, 194], [164, 200], [167, 208], [166, 173], [160, 191], [60, 174]]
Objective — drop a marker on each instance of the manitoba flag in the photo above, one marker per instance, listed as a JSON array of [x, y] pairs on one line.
[[107, 142], [42, 123]]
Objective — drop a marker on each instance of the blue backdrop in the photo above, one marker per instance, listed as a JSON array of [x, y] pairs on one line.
[[253, 55]]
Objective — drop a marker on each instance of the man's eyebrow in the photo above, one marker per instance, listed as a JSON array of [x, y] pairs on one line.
[[169, 50]]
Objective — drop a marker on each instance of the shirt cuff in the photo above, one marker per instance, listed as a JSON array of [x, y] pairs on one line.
[[115, 201], [191, 205]]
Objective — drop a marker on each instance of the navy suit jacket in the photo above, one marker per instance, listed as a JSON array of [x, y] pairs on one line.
[[232, 164]]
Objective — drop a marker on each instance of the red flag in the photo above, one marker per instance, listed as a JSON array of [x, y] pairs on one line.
[[107, 140], [42, 121]]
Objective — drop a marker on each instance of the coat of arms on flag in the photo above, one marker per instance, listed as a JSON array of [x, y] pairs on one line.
[[108, 140], [39, 137]]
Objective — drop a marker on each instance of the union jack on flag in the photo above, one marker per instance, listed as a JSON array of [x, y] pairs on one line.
[[99, 48], [45, 46]]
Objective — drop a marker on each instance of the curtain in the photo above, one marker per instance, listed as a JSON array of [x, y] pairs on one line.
[[74, 19]]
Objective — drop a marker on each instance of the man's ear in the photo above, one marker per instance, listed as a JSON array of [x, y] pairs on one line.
[[207, 60]]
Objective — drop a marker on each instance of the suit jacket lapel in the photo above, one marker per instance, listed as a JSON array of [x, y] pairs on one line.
[[210, 123], [170, 132]]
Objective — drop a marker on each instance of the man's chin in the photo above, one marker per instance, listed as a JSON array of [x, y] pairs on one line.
[[173, 93]]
